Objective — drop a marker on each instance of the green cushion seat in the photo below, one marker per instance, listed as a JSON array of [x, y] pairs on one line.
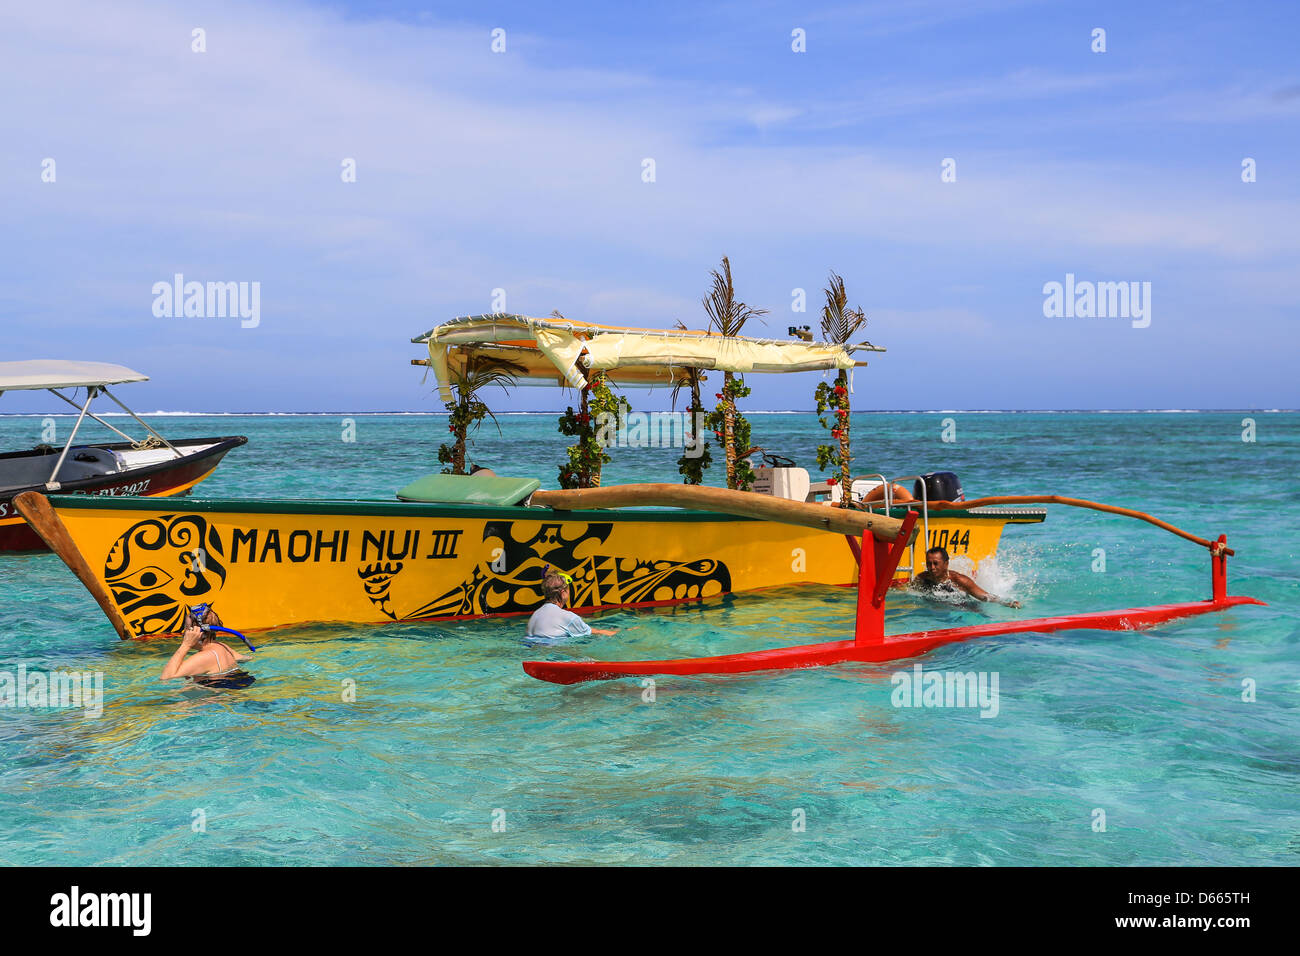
[[469, 490]]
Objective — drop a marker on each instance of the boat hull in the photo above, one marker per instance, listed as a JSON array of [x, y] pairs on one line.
[[267, 564], [163, 479]]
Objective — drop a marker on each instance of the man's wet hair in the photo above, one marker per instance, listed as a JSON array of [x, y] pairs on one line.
[[553, 586], [942, 551]]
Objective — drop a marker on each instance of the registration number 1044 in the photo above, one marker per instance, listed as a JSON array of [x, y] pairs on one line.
[[951, 539]]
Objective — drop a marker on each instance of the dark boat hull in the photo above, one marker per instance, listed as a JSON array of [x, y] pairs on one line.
[[161, 480]]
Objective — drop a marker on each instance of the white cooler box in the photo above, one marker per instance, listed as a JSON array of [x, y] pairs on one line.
[[791, 483]]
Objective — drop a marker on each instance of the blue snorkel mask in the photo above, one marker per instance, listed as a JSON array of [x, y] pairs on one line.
[[200, 611]]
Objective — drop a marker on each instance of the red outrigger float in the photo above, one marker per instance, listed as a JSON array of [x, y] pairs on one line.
[[877, 561]]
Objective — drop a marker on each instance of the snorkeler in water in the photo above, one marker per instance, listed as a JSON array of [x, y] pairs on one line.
[[215, 664], [553, 620], [937, 578]]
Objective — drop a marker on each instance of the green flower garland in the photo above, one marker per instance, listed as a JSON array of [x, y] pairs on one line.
[[732, 429], [587, 455], [835, 400], [461, 417], [692, 469]]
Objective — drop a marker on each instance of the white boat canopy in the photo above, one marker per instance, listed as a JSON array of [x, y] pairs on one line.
[[559, 351], [94, 377], [60, 373]]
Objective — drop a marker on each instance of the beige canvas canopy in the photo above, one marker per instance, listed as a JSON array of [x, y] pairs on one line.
[[562, 351], [60, 373]]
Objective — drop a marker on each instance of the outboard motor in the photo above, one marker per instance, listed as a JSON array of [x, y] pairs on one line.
[[938, 486]]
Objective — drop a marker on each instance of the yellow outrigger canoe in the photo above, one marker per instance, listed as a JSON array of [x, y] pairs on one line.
[[268, 563], [464, 547]]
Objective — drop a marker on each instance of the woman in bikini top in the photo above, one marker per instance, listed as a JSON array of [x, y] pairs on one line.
[[213, 659]]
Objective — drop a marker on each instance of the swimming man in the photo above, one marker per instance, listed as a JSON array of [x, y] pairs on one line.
[[937, 577]]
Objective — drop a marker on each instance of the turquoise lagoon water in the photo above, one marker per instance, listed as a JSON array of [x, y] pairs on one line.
[[447, 736]]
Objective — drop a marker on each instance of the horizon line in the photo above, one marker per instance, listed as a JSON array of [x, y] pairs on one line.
[[755, 411]]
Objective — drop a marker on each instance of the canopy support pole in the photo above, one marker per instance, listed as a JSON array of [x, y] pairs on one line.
[[55, 391], [146, 425], [53, 483]]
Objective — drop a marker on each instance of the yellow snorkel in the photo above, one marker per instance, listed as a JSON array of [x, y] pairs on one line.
[[558, 573]]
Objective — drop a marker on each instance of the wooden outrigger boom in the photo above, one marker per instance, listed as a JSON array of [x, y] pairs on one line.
[[726, 501], [1075, 503], [870, 644]]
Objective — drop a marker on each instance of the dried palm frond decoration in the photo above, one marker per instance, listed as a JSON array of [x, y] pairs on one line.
[[839, 324], [727, 316]]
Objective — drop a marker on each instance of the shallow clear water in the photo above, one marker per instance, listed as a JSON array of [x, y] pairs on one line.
[[446, 731]]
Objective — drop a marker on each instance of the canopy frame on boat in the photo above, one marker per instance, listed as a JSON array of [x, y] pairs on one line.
[[564, 352], [95, 377]]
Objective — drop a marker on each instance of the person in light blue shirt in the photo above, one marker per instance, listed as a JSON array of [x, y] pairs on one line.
[[553, 621]]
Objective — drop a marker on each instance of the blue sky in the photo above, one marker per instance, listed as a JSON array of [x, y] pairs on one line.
[[522, 171]]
